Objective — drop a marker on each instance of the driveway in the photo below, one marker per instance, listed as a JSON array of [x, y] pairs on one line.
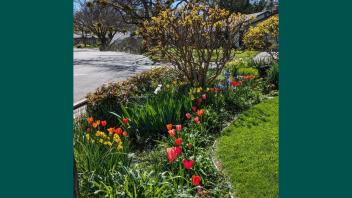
[[93, 68]]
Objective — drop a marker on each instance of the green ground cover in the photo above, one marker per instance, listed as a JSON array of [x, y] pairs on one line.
[[248, 151]]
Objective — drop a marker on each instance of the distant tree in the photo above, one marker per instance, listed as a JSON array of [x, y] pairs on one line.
[[234, 5], [194, 39], [101, 20], [242, 6], [80, 26], [137, 11]]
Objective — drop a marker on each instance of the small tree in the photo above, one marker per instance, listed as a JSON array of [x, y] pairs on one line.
[[101, 20], [264, 37], [194, 39], [80, 26]]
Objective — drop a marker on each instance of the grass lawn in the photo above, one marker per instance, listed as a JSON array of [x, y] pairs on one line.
[[245, 54], [248, 151]]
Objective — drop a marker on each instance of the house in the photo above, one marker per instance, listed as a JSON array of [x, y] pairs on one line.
[[272, 5]]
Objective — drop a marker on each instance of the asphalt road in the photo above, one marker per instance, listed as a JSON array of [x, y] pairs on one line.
[[93, 68]]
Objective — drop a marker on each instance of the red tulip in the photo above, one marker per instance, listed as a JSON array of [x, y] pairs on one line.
[[178, 141], [103, 123], [172, 132], [196, 120], [200, 112], [199, 100], [125, 120], [172, 153], [118, 131], [196, 180], [178, 127], [204, 96], [187, 163], [188, 116], [178, 150], [194, 108], [125, 134], [235, 83]]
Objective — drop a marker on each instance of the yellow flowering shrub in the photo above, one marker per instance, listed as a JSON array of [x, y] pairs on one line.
[[194, 39], [264, 36]]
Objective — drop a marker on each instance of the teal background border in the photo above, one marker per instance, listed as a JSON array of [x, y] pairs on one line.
[[315, 99], [36, 99]]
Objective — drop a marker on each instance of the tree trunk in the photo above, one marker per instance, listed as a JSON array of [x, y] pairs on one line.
[[104, 44], [84, 39]]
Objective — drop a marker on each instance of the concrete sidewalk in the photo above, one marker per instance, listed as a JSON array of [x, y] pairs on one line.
[[93, 68]]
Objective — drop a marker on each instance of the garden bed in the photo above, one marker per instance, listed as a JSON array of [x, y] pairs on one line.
[[153, 135]]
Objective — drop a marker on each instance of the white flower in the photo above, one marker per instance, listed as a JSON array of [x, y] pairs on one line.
[[157, 89]]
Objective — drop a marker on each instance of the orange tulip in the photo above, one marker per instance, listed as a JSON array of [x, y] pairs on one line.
[[200, 112], [169, 127], [249, 77], [111, 130], [172, 132], [90, 120]]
